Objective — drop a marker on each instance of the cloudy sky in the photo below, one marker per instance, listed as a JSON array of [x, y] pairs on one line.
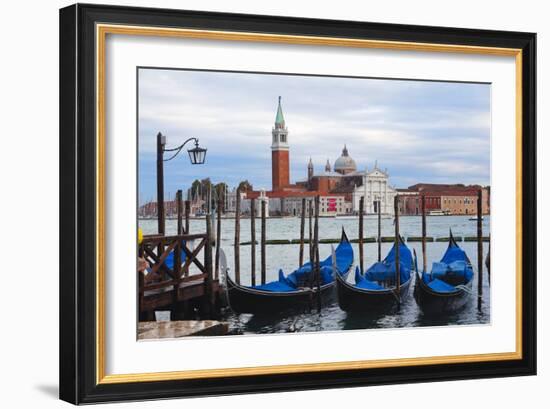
[[420, 131]]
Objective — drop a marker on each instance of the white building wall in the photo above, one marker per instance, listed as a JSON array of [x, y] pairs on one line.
[[375, 187]]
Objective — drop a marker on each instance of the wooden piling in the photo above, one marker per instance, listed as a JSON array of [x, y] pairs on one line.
[[160, 187], [218, 238], [317, 261], [361, 249], [179, 202], [237, 236], [311, 249], [310, 236], [262, 272], [178, 248], [302, 232], [187, 211], [424, 261], [379, 231], [253, 241], [397, 243], [479, 249], [210, 296]]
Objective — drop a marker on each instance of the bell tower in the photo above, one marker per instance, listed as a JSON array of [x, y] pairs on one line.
[[280, 173]]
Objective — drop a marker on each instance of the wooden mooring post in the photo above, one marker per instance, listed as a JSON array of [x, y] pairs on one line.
[[218, 238], [424, 261], [397, 243], [302, 232], [361, 249], [187, 212], [311, 249], [262, 272], [179, 202], [479, 249], [310, 236], [317, 261], [161, 215], [209, 282], [178, 248], [379, 231], [237, 243], [253, 241]]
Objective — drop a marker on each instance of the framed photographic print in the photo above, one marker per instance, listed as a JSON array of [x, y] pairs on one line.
[[257, 203]]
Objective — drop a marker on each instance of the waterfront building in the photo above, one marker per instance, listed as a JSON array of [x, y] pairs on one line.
[[245, 204], [446, 199]]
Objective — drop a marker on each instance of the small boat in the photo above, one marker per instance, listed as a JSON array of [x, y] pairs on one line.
[[437, 213], [294, 291], [447, 288], [376, 290], [474, 218]]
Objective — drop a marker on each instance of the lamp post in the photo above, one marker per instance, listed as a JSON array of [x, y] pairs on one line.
[[197, 156]]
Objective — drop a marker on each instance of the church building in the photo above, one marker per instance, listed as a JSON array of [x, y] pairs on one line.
[[339, 187]]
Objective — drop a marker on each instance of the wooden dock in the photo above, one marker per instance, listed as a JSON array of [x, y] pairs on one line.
[[177, 287]]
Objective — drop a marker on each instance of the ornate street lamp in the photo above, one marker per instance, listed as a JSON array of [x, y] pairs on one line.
[[197, 156]]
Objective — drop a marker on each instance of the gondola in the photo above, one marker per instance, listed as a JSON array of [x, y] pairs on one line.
[[292, 292], [447, 288], [375, 290]]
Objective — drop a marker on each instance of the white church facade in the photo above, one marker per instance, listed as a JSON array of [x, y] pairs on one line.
[[375, 189]]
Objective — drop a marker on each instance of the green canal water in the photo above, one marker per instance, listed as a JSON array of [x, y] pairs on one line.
[[331, 317]]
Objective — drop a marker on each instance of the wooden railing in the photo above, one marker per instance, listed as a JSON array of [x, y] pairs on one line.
[[156, 249]]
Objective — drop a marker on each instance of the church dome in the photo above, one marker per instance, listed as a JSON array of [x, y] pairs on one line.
[[345, 163]]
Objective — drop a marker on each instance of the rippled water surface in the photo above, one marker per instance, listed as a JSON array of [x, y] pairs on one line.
[[331, 317]]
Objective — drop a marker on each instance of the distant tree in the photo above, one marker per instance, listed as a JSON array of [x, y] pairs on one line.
[[220, 190], [245, 185], [196, 190]]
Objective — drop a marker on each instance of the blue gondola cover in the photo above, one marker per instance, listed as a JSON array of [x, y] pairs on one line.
[[384, 271], [300, 277], [453, 269], [169, 261]]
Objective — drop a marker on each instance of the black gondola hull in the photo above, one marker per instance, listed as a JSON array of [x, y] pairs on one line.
[[242, 299], [431, 302], [246, 300], [355, 300]]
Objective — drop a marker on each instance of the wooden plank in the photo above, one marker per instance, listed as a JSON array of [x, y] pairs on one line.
[[153, 240], [163, 257], [191, 257]]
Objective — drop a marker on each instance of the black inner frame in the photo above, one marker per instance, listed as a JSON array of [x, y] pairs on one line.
[[78, 194]]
